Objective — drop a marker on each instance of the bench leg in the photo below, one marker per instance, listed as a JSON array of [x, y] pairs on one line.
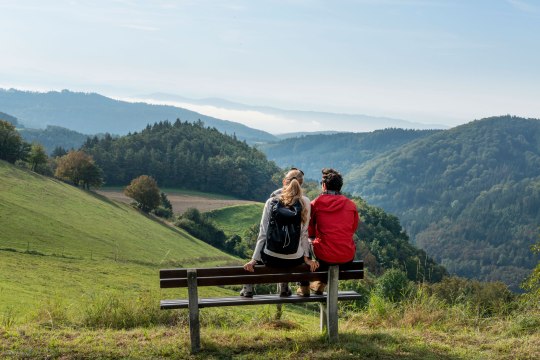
[[193, 298], [324, 317], [332, 302]]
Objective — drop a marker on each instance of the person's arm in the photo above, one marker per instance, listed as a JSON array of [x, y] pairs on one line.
[[263, 229], [304, 241], [311, 229]]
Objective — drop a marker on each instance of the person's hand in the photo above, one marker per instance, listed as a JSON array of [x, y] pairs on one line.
[[249, 266], [313, 265]]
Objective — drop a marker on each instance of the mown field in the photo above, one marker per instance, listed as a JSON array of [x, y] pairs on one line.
[[181, 200]]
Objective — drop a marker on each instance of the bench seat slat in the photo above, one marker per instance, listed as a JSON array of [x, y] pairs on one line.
[[256, 278], [239, 270], [256, 300]]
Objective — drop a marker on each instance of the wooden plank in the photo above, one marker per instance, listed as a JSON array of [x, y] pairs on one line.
[[193, 304], [332, 303], [257, 300], [254, 278], [239, 270]]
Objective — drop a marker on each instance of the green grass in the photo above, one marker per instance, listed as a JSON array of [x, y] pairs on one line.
[[252, 333], [59, 241], [238, 218]]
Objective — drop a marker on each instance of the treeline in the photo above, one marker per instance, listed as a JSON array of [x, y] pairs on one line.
[[185, 155], [469, 195]]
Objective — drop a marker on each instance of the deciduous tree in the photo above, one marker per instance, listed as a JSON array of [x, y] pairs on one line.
[[37, 156], [79, 168], [144, 190], [12, 147]]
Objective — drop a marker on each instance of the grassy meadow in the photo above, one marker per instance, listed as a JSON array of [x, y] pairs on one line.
[[57, 241], [78, 280], [236, 219]]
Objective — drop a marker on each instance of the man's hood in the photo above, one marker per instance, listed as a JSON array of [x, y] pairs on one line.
[[326, 202]]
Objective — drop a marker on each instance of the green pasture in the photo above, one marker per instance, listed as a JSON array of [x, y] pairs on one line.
[[235, 220], [59, 241]]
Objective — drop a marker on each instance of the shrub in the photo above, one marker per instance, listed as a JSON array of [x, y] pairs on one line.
[[393, 285], [483, 299]]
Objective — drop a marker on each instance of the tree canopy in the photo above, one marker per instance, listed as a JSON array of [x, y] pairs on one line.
[[145, 191], [12, 146], [185, 155], [80, 169]]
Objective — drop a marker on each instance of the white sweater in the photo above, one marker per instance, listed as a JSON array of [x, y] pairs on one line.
[[303, 246]]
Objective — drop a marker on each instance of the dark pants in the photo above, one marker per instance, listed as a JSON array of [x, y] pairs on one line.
[[272, 261], [323, 266]]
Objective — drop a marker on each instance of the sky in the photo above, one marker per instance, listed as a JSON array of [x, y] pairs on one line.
[[444, 62]]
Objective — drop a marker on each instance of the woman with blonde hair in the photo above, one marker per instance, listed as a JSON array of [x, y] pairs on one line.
[[283, 233]]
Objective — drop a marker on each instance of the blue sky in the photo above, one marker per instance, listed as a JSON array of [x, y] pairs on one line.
[[437, 61]]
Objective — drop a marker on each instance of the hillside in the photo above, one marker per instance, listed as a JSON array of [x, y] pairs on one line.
[[54, 136], [57, 241], [188, 156], [91, 113], [342, 151], [469, 195]]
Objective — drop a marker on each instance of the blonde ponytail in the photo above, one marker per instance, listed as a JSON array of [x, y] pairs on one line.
[[292, 192]]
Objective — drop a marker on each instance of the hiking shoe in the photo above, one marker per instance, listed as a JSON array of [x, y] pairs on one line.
[[303, 291], [317, 287], [247, 291], [284, 290]]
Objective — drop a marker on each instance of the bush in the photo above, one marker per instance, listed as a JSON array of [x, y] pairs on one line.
[[393, 285], [483, 298]]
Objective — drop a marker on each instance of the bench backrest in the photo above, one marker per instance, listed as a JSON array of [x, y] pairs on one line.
[[236, 275]]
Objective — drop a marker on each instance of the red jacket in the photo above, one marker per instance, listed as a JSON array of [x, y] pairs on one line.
[[334, 219]]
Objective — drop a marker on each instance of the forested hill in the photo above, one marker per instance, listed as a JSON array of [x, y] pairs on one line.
[[91, 113], [342, 151], [54, 136], [469, 196], [185, 155]]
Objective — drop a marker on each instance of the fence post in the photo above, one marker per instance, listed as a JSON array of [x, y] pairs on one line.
[[193, 298], [332, 302]]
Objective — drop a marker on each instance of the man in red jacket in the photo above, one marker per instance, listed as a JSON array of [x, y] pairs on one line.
[[334, 219]]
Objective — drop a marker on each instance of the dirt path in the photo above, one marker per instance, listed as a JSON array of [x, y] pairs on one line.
[[181, 202]]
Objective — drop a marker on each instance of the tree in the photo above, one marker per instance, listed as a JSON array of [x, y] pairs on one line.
[[37, 156], [12, 147], [145, 192], [58, 152], [79, 168]]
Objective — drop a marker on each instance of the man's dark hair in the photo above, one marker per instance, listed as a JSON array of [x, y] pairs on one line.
[[333, 179]]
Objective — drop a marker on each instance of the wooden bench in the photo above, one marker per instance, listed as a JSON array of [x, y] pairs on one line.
[[193, 278]]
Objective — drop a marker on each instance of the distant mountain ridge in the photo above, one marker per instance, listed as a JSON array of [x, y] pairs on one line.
[[339, 121], [91, 113]]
